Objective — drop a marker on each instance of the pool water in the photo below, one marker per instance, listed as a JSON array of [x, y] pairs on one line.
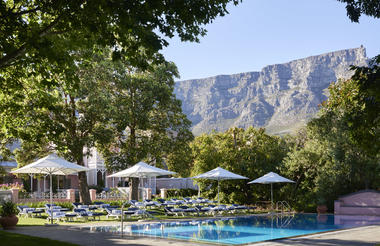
[[248, 229]]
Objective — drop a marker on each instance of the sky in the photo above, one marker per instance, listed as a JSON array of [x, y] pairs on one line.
[[258, 33]]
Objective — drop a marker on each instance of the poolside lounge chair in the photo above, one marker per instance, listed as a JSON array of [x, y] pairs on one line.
[[166, 203], [189, 201], [201, 200], [174, 211], [26, 210], [218, 209], [87, 207], [237, 207], [83, 213], [57, 214], [98, 204], [113, 213], [186, 209], [54, 206], [177, 201], [150, 203], [106, 205], [202, 209]]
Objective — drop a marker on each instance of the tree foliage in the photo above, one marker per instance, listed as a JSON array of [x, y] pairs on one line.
[[146, 120], [340, 153], [42, 37], [355, 8], [65, 117], [250, 153]]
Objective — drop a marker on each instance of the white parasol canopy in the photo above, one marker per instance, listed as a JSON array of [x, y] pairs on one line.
[[219, 174], [142, 170], [271, 178], [52, 165]]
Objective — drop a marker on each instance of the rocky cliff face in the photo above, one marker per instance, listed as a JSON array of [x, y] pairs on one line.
[[280, 98]]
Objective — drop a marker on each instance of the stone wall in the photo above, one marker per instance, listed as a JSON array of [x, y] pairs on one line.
[[365, 202]]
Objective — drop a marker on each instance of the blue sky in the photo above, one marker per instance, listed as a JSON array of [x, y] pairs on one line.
[[257, 33]]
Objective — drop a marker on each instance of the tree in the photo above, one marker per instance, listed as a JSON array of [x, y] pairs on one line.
[[64, 117], [147, 122], [250, 153], [42, 37], [341, 151], [355, 8]]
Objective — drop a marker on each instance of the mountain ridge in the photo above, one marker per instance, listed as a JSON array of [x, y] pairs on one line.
[[278, 97]]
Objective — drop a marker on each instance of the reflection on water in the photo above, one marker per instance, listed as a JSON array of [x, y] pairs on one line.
[[244, 229]]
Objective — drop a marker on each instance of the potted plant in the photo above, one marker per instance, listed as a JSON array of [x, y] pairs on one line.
[[8, 218]]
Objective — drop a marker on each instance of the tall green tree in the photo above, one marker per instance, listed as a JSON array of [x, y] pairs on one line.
[[65, 116], [250, 153], [147, 122], [42, 37], [341, 150]]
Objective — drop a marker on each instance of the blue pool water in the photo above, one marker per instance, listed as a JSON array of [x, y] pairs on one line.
[[242, 230]]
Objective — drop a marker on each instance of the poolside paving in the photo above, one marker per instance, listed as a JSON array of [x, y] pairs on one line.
[[368, 235]]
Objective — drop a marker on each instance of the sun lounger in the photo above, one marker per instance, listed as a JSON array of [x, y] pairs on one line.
[[26, 210], [218, 209], [166, 203], [116, 213], [186, 209], [169, 211], [150, 203], [87, 207], [85, 214], [57, 214], [202, 209], [189, 201], [175, 211], [177, 201], [98, 204]]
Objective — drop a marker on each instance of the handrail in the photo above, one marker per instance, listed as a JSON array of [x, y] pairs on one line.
[[283, 206]]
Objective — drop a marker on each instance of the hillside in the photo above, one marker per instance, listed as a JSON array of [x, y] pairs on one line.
[[281, 97]]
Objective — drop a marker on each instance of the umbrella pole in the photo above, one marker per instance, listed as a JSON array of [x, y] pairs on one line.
[[51, 198], [271, 196], [218, 193]]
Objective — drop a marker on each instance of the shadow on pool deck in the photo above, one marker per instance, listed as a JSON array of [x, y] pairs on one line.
[[87, 238]]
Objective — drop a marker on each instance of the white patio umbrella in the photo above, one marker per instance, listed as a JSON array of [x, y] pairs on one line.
[[219, 174], [141, 170], [271, 178], [51, 165]]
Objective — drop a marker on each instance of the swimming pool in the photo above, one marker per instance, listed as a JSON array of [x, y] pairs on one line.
[[242, 230]]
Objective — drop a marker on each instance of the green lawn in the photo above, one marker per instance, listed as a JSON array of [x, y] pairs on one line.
[[13, 239]]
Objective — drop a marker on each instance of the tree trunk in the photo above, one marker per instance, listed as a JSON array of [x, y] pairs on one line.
[[83, 188], [134, 189]]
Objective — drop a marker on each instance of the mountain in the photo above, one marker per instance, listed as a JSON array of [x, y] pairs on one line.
[[280, 97]]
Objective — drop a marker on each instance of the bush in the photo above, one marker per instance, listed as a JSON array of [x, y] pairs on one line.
[[181, 192], [42, 204], [8, 208]]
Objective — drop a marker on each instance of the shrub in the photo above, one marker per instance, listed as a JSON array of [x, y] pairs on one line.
[[181, 192], [8, 208]]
